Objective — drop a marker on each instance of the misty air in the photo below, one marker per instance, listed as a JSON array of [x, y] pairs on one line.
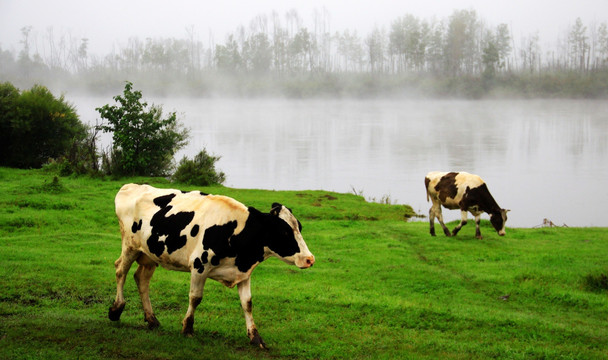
[[210, 138]]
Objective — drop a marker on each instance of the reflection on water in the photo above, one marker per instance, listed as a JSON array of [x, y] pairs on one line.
[[541, 159]]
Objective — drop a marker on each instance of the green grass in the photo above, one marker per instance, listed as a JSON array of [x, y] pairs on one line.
[[381, 288]]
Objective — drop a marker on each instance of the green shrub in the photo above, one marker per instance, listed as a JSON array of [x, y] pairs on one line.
[[143, 142], [81, 158], [35, 126], [200, 171]]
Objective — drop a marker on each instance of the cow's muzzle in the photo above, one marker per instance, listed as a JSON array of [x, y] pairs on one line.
[[306, 262]]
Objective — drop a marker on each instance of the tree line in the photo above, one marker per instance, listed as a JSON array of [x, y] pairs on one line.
[[273, 49]]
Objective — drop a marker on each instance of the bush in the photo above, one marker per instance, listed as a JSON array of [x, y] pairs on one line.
[[143, 142], [200, 171], [80, 159], [35, 126]]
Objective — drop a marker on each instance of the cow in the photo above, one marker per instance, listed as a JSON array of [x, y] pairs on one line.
[[210, 236], [464, 191]]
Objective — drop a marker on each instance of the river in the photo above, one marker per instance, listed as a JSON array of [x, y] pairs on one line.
[[542, 159]]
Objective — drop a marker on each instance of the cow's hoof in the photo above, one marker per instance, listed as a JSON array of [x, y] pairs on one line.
[[257, 341], [188, 329], [115, 312], [153, 323]]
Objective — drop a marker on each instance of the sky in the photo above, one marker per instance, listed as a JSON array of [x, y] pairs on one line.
[[110, 23]]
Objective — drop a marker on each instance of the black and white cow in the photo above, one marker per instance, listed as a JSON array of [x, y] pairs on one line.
[[464, 191], [209, 236]]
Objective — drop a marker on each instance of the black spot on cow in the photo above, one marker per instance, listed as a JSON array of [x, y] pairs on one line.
[[199, 265], [163, 201], [247, 247], [446, 187], [481, 197], [200, 192], [194, 230], [168, 226], [215, 260], [217, 238], [204, 257], [136, 227]]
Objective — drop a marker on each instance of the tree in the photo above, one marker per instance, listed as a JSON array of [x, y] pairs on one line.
[[228, 57], [530, 53], [257, 53], [490, 59], [406, 43], [143, 142], [460, 47], [300, 51], [35, 126], [375, 50], [349, 47], [578, 44], [503, 44], [603, 44]]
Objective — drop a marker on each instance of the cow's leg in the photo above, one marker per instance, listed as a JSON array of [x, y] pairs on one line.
[[245, 295], [463, 221], [142, 278], [122, 265], [197, 283], [477, 229], [436, 211], [432, 220]]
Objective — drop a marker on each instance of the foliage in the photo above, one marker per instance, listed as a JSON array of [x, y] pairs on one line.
[[81, 158], [143, 142], [199, 171], [36, 126], [381, 287]]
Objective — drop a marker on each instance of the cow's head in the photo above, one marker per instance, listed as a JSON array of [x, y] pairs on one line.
[[285, 240], [498, 220]]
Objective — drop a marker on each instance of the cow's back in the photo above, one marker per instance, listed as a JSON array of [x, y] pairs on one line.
[[163, 223], [448, 188], [134, 198]]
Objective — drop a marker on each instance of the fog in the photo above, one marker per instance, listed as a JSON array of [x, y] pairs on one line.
[[354, 113], [110, 23]]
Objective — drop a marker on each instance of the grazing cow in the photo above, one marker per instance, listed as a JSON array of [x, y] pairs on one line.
[[209, 236], [466, 192]]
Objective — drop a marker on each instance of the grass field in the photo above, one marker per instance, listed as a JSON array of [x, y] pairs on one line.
[[381, 288]]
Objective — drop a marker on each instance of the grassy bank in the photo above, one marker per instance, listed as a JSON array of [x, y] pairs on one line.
[[382, 288]]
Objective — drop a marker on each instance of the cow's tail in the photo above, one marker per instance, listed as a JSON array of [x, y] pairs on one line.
[[427, 181]]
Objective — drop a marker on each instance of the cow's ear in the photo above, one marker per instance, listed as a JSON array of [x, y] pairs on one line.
[[276, 209]]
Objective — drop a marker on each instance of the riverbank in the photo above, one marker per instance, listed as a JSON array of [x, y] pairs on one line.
[[381, 285]]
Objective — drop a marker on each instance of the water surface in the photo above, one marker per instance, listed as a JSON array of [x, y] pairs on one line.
[[540, 158]]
